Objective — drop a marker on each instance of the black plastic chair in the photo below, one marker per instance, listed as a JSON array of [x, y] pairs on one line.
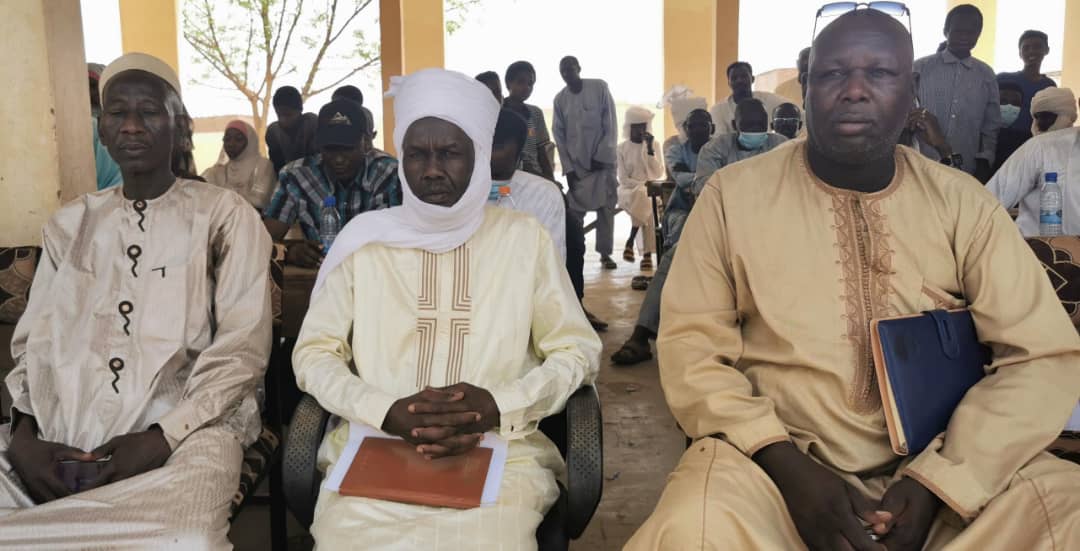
[[577, 431]]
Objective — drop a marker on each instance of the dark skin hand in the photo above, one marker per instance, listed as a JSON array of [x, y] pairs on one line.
[[306, 254], [132, 454], [443, 421], [36, 461], [912, 509], [925, 125], [829, 513]]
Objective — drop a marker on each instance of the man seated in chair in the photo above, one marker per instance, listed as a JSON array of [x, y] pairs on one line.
[[765, 352], [460, 320], [147, 331]]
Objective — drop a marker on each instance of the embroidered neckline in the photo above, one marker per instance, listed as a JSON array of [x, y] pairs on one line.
[[898, 176]]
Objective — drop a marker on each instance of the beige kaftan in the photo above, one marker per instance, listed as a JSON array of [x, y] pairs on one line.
[[498, 312], [141, 313], [765, 338]]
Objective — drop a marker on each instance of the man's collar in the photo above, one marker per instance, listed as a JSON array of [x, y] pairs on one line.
[[949, 57]]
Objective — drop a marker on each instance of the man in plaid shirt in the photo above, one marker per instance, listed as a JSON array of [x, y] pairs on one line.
[[359, 177]]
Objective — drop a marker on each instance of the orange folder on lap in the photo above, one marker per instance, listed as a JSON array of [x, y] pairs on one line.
[[390, 469]]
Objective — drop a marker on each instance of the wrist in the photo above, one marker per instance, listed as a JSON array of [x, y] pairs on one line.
[[24, 427], [776, 457]]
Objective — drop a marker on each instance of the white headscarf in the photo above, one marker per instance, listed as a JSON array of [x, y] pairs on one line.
[[249, 174], [636, 114], [681, 108], [452, 97], [1057, 100]]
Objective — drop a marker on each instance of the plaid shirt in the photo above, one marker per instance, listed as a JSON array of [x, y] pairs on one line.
[[304, 186]]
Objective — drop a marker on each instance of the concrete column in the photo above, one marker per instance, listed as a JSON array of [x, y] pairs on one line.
[[727, 44], [45, 116], [150, 26], [689, 47], [984, 50], [1070, 55], [412, 33]]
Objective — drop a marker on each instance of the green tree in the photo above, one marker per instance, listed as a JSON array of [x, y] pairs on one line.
[[251, 43]]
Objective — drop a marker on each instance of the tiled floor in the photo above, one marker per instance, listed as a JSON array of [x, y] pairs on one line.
[[641, 442]]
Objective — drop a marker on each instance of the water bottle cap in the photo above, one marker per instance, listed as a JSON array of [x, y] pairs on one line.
[[504, 191], [330, 201], [1051, 177]]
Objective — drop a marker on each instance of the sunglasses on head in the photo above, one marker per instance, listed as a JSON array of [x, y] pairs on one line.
[[898, 10]]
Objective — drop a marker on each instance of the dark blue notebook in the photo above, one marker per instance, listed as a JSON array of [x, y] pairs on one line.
[[925, 364]]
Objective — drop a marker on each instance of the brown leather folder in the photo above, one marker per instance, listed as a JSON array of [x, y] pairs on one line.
[[391, 470]]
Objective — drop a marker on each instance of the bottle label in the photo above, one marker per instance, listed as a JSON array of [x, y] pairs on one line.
[[1050, 217]]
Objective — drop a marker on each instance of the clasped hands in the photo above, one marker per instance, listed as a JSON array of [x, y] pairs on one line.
[[831, 514], [443, 421], [37, 461]]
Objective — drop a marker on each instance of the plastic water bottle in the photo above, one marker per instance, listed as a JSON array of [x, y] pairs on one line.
[[505, 200], [329, 222], [1050, 206]]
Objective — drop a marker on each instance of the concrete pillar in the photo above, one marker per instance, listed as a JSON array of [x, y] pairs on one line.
[[984, 50], [727, 44], [689, 47], [1070, 55], [411, 39], [45, 115], [150, 26]]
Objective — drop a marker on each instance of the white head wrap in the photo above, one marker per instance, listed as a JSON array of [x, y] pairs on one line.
[[635, 114], [681, 109], [138, 61], [452, 97], [1057, 100]]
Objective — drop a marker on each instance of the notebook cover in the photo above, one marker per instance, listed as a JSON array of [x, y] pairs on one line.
[[391, 470], [929, 362]]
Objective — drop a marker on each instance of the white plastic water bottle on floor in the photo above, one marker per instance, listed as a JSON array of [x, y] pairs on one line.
[[505, 200], [1050, 206], [329, 223]]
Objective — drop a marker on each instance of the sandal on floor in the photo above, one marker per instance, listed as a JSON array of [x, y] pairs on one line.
[[628, 254], [596, 323], [632, 352], [607, 263], [646, 263], [640, 283]]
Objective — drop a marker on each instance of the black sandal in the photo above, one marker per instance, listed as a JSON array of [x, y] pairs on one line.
[[632, 352]]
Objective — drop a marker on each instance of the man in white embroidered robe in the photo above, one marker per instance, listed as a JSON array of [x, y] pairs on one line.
[[472, 300]]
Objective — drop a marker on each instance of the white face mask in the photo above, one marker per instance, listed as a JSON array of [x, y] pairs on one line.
[[753, 140], [1009, 114]]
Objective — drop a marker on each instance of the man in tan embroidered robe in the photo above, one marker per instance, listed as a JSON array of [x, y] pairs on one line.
[[147, 331], [764, 347]]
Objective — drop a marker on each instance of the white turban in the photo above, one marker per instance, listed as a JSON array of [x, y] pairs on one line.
[[469, 105], [1056, 100], [681, 109], [635, 114], [137, 61]]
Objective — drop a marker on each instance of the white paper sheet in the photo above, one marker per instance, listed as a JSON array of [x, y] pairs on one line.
[[358, 432], [1074, 421]]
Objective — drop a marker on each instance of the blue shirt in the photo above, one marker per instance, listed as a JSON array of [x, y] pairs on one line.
[[108, 172], [1023, 122], [303, 185]]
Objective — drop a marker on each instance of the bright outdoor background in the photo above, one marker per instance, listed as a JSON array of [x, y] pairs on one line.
[[620, 41]]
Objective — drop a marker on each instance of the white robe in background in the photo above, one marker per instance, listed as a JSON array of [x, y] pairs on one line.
[[541, 198], [1020, 179], [498, 312], [585, 130], [636, 168]]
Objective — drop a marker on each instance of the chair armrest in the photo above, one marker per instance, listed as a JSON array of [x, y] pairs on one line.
[[584, 458], [300, 472]]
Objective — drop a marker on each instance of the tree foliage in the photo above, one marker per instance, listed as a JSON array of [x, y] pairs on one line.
[[252, 43]]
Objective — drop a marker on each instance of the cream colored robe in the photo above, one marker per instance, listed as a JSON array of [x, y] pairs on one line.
[[498, 312], [141, 313], [765, 338]]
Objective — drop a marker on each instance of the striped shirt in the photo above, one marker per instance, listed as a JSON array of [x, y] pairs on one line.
[[538, 136], [303, 187], [963, 95]]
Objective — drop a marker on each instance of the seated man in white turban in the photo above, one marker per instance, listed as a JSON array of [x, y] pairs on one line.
[[146, 334], [638, 161], [473, 328], [1052, 109], [1020, 179]]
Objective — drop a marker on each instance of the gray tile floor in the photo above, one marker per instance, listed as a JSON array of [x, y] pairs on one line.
[[641, 441]]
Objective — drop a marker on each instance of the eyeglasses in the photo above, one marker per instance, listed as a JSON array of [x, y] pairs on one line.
[[898, 10]]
